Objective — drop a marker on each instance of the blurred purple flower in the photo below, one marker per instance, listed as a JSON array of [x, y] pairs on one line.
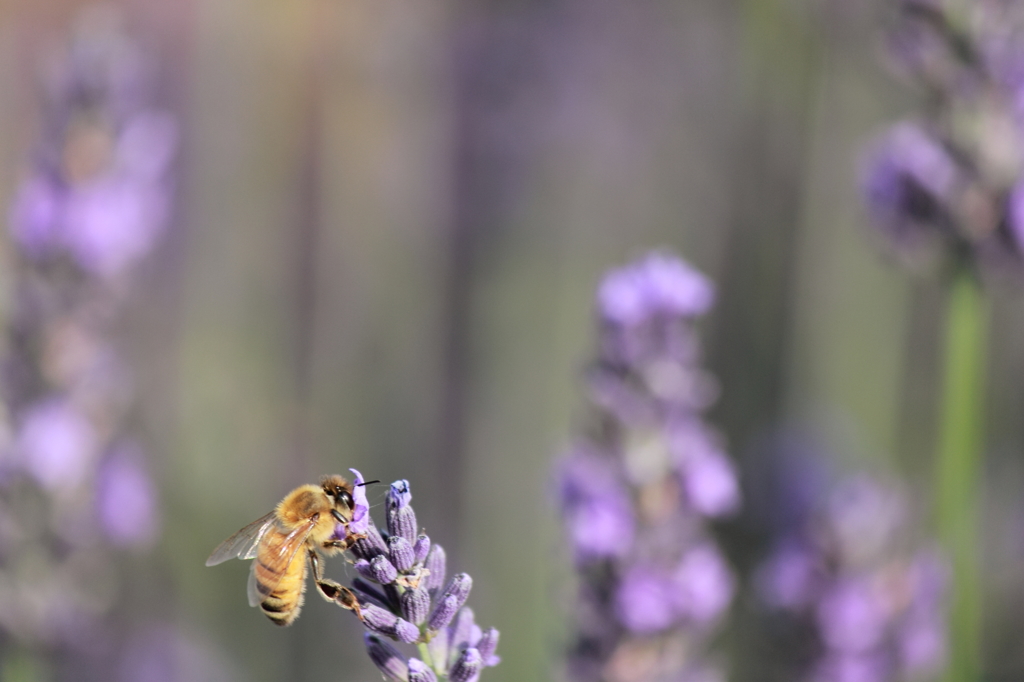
[[908, 181], [126, 498], [703, 584], [645, 600], [656, 285], [878, 614], [635, 492], [57, 444]]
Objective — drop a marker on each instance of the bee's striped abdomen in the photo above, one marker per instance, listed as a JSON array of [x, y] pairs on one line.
[[281, 589]]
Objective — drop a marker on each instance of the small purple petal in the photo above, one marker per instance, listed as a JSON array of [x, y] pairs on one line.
[[370, 546], [399, 495], [359, 524]]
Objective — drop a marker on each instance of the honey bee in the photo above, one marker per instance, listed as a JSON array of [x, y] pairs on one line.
[[306, 523]]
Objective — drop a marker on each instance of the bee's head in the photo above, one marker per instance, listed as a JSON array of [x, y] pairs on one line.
[[339, 490]]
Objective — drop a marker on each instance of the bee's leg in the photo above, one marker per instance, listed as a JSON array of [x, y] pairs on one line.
[[331, 590]]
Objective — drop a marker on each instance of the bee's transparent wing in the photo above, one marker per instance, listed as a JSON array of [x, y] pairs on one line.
[[271, 565], [242, 544]]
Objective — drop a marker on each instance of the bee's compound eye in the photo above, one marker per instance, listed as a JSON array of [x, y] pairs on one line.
[[346, 498]]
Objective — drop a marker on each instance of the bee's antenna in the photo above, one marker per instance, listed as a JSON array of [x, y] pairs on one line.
[[367, 483]]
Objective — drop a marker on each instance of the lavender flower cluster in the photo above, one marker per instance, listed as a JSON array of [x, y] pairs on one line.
[[404, 597], [638, 488], [73, 481], [874, 608], [948, 182]]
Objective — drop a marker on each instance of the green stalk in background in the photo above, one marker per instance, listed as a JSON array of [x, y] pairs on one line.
[[958, 470]]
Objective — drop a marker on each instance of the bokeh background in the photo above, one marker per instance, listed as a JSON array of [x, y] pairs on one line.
[[389, 221]]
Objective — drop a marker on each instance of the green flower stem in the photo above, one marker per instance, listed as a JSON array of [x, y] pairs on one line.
[[425, 656], [958, 469]]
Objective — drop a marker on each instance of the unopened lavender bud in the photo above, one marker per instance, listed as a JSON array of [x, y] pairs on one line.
[[467, 667], [368, 590], [379, 620], [402, 522], [436, 561], [406, 631], [443, 613], [362, 566], [421, 548], [464, 631], [420, 671], [458, 587], [382, 570], [386, 658], [416, 605], [370, 546], [487, 645], [401, 553]]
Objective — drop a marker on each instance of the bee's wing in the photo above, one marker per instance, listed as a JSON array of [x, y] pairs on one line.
[[280, 551], [242, 544]]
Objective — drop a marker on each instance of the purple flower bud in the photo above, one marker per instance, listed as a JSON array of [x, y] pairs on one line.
[[399, 495], [421, 548], [370, 546], [370, 592], [487, 645], [359, 524], [401, 553], [362, 566], [382, 570], [464, 630], [435, 563], [420, 671], [458, 587], [405, 631], [387, 659], [415, 605], [444, 611], [467, 667], [402, 523], [379, 620]]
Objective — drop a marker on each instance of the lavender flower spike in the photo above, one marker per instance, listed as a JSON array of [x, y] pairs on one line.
[[401, 599], [652, 581]]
